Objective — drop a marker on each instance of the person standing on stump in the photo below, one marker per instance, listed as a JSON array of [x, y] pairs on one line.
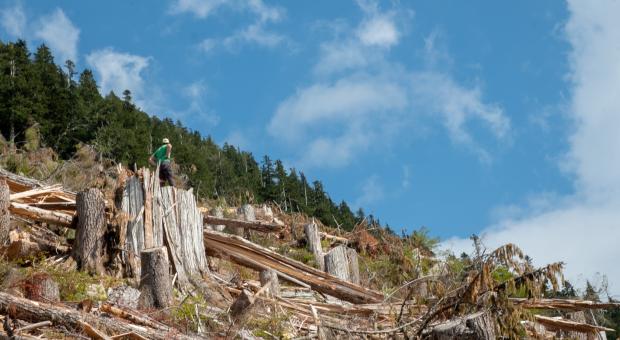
[[162, 157]]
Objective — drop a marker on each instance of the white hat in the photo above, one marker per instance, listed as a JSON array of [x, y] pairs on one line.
[[166, 141]]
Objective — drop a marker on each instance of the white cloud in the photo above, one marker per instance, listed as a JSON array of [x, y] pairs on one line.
[[59, 33], [583, 229], [198, 109], [406, 181], [378, 31], [120, 71], [14, 20], [200, 8], [372, 191]]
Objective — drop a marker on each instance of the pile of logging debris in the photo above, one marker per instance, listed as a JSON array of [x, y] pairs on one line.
[[161, 242]]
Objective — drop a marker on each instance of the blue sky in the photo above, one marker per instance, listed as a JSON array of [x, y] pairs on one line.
[[465, 117]]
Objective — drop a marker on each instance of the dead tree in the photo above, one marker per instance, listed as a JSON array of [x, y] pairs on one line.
[[337, 263], [155, 285], [5, 215], [270, 277], [314, 244], [89, 242]]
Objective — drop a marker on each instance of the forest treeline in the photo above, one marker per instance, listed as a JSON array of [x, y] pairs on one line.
[[65, 108]]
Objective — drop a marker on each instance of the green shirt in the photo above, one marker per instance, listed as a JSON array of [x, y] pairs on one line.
[[160, 154]]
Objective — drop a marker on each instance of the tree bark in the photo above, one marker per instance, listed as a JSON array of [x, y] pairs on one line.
[[155, 285], [5, 215], [247, 213], [354, 269], [270, 277], [314, 244], [148, 208], [477, 326], [337, 264], [218, 213], [89, 241], [41, 287], [132, 204], [41, 215]]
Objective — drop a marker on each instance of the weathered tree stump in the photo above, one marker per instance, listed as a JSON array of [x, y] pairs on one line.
[[5, 215], [155, 285], [314, 244], [132, 233], [337, 263], [354, 269], [270, 277], [89, 243], [217, 212], [246, 212], [475, 326], [242, 304], [41, 287]]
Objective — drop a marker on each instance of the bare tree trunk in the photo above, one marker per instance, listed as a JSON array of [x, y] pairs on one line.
[[337, 264], [354, 269], [89, 242], [270, 277], [155, 285], [314, 244], [5, 215]]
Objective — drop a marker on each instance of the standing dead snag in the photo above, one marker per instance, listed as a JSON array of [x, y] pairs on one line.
[[5, 216], [89, 242], [155, 285], [314, 244]]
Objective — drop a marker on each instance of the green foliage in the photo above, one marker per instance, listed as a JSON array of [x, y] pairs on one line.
[[41, 104]]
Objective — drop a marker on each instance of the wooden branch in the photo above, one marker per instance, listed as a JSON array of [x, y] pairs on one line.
[[259, 258], [35, 192], [34, 326], [129, 335], [261, 226], [137, 319], [334, 237], [41, 215], [567, 325], [92, 332], [565, 304]]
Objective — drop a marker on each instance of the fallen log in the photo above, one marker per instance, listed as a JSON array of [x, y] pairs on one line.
[[569, 326], [259, 258], [92, 332], [565, 304], [41, 215], [19, 183], [134, 318], [25, 309], [236, 224]]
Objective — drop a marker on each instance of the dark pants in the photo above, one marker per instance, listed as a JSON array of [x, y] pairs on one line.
[[165, 173]]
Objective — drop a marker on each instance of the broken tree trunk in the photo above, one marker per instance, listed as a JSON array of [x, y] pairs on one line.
[[251, 255], [132, 204], [246, 212], [337, 264], [314, 244], [217, 213], [475, 326], [89, 241], [148, 209], [25, 309], [270, 277], [155, 285], [182, 222], [5, 215], [41, 215]]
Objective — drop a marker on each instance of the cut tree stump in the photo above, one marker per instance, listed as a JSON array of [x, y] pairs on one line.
[[477, 326], [314, 244], [89, 242], [270, 277], [219, 213], [337, 263], [155, 285], [354, 268], [41, 287], [246, 212], [5, 215], [132, 204]]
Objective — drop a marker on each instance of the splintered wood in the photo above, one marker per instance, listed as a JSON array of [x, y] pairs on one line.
[[254, 256]]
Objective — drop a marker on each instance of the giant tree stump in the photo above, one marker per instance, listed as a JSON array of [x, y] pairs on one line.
[[270, 278], [314, 244], [5, 215], [155, 285], [337, 263], [89, 242]]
